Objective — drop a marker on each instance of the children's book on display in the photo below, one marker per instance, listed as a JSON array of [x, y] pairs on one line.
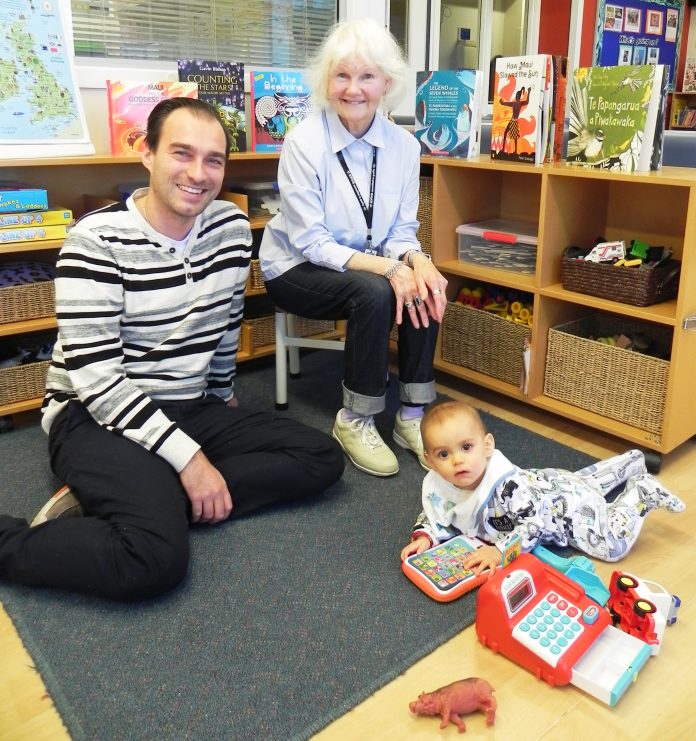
[[279, 100], [448, 112], [617, 117], [528, 108], [130, 103], [222, 85]]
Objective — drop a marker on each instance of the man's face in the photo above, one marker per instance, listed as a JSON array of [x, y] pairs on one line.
[[186, 171]]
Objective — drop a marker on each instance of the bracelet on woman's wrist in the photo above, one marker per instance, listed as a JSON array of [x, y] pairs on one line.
[[391, 272]]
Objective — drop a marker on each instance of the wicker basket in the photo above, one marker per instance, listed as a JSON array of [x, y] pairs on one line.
[[263, 329], [484, 342], [637, 286], [425, 215], [27, 301], [255, 278], [627, 386], [22, 382]]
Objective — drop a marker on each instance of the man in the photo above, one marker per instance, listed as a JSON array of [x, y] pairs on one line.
[[143, 425]]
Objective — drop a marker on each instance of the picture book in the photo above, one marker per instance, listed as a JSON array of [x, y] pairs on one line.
[[279, 101], [559, 71], [36, 218], [222, 85], [689, 82], [33, 233], [16, 197], [448, 106], [130, 104], [520, 108], [617, 117]]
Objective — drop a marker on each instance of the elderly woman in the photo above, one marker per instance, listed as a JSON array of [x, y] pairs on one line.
[[343, 245]]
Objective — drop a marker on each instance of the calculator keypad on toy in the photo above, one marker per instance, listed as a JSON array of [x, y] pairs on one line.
[[551, 627], [443, 565]]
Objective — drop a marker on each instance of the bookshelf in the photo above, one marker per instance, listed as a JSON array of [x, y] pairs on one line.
[[683, 111]]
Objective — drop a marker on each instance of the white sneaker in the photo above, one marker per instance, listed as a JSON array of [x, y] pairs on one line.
[[363, 445], [407, 435], [62, 504]]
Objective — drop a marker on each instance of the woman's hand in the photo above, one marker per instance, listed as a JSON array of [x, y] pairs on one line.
[[431, 286]]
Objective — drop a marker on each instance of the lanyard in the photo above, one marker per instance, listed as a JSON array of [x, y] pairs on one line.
[[368, 209]]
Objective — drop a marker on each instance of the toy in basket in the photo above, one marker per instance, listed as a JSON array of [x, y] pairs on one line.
[[439, 571]]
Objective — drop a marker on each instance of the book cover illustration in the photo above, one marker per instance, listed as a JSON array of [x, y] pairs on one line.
[[448, 111], [559, 67], [33, 233], [518, 108], [16, 197], [614, 112], [279, 101], [222, 85], [130, 104], [689, 83]]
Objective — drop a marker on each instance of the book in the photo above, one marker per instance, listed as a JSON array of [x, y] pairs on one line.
[[519, 90], [222, 85], [448, 104], [33, 233], [617, 117], [689, 82], [36, 218], [16, 197], [279, 100], [129, 105], [559, 70]]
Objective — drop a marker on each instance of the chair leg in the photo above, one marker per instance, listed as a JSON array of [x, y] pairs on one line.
[[281, 361], [293, 352]]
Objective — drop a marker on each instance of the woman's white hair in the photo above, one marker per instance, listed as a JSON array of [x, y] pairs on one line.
[[366, 40]]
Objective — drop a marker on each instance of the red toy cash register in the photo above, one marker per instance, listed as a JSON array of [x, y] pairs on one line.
[[544, 621]]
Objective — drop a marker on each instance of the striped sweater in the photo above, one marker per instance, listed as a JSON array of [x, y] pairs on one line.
[[137, 321]]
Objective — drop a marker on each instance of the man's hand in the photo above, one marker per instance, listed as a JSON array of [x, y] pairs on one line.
[[210, 499]]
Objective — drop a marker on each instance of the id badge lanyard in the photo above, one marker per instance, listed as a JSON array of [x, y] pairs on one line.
[[367, 209]]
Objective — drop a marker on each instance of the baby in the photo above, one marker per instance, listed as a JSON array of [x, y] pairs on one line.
[[473, 489]]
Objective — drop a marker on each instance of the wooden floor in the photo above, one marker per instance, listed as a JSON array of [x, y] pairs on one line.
[[657, 706]]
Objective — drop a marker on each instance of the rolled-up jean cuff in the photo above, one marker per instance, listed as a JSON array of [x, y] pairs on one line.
[[417, 393], [366, 406]]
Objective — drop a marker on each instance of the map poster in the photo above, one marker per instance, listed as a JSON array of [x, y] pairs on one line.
[[41, 113]]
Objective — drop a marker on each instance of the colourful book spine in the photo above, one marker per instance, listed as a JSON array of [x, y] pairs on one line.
[[33, 233], [222, 85], [279, 101], [22, 199], [36, 218], [130, 104]]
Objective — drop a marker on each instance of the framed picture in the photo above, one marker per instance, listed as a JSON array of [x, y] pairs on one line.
[[625, 54], [613, 18], [653, 54], [639, 55], [672, 25], [653, 22], [632, 20]]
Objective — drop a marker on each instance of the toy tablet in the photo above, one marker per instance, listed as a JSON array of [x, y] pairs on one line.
[[439, 571]]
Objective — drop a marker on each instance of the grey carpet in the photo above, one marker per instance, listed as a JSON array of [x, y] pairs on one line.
[[287, 619]]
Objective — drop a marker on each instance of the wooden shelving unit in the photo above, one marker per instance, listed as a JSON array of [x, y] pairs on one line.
[[680, 103], [574, 206]]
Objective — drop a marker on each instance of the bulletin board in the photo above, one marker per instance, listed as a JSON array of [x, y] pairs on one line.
[[639, 32]]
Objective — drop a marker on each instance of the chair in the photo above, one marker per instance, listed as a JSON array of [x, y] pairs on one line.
[[287, 344]]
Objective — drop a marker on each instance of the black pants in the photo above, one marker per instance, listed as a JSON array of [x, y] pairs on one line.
[[133, 541], [367, 301]]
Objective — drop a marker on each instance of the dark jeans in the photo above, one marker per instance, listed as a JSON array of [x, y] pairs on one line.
[[133, 541], [367, 301]]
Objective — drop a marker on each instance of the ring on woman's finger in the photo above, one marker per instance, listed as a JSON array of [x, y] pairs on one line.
[[418, 300], [437, 292], [408, 304]]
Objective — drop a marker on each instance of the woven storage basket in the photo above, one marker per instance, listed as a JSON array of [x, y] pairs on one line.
[[627, 386], [262, 330], [484, 342], [27, 301], [22, 382], [309, 327], [425, 214], [255, 277], [637, 286]]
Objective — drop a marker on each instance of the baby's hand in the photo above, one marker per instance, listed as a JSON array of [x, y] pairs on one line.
[[418, 545], [485, 557]]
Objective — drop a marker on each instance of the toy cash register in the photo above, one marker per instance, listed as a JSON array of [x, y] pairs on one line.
[[544, 621], [439, 571]]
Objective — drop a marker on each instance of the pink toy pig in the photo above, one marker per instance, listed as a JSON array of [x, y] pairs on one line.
[[463, 696]]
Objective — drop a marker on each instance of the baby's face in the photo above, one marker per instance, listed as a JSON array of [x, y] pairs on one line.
[[457, 448]]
